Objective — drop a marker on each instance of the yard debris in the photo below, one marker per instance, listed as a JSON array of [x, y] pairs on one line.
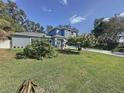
[[29, 87]]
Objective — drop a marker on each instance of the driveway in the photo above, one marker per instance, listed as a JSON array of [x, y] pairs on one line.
[[102, 51]]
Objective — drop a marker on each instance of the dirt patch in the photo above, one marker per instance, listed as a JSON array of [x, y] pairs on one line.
[[7, 54]]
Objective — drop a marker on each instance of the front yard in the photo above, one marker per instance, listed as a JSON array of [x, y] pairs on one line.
[[85, 73]]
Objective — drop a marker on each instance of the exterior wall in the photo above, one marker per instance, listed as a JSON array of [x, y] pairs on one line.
[[20, 42], [67, 34], [5, 44], [70, 34], [59, 42]]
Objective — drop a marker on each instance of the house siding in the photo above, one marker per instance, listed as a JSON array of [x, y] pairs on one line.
[[5, 44], [70, 34]]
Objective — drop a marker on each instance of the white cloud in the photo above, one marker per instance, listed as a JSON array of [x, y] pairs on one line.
[[76, 19], [64, 2], [10, 0], [106, 19], [45, 9], [121, 14]]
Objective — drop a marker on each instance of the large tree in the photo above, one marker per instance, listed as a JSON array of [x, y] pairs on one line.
[[107, 31], [14, 19]]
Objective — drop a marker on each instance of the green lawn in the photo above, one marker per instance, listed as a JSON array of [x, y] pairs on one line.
[[85, 73]]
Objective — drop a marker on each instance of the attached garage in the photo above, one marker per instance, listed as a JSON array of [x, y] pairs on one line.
[[21, 40]]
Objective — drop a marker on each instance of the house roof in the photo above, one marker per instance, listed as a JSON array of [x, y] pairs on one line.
[[63, 28], [121, 34], [31, 34], [58, 36]]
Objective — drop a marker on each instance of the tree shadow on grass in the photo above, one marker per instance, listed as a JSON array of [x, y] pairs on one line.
[[69, 51]]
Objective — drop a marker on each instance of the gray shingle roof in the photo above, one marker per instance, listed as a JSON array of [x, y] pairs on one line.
[[31, 34]]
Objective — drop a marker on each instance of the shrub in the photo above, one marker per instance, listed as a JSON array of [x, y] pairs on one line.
[[20, 55], [39, 49], [118, 49], [69, 51]]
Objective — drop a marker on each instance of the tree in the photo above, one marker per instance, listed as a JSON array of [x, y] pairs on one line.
[[107, 31], [83, 41], [31, 26], [88, 41], [7, 23], [49, 28], [13, 19]]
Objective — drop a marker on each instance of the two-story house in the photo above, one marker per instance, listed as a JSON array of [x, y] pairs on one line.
[[60, 35]]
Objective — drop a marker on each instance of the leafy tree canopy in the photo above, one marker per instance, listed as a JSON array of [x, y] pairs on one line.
[[107, 31], [14, 19]]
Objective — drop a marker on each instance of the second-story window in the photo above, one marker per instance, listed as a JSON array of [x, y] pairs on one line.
[[57, 31]]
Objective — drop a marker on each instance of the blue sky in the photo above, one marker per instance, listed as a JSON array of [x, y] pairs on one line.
[[79, 13]]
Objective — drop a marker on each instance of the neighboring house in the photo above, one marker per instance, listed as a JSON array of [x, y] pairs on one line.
[[56, 37], [63, 32], [121, 38], [60, 36]]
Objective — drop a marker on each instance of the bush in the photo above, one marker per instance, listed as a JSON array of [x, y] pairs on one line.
[[39, 49], [69, 51], [20, 55], [118, 50]]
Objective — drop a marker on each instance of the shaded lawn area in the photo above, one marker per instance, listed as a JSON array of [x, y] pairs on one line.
[[85, 73]]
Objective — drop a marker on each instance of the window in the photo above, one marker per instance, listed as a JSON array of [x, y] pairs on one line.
[[57, 31], [72, 33], [50, 41]]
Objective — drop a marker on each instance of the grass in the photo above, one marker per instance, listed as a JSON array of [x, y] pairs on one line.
[[85, 73]]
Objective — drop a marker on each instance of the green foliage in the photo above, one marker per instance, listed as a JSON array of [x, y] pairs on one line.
[[107, 31], [14, 19], [31, 26], [88, 41], [85, 41], [20, 55], [62, 27], [69, 51], [39, 49], [9, 18], [118, 50]]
